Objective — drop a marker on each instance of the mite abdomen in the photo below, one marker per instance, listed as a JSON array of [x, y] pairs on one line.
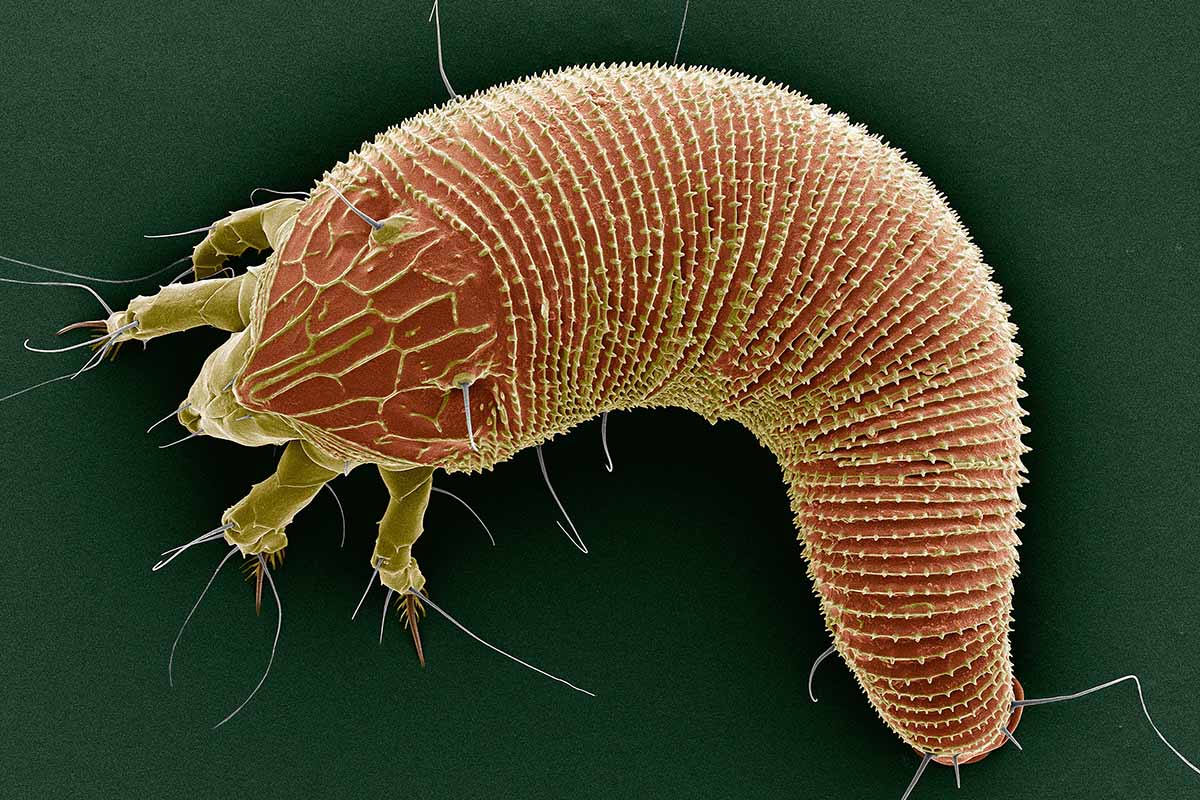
[[635, 236]]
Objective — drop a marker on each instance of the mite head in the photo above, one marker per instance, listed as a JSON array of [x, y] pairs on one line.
[[212, 408], [380, 321]]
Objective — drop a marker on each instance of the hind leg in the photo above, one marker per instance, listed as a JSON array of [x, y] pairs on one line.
[[401, 526], [399, 529]]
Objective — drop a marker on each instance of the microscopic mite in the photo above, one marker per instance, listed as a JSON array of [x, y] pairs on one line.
[[492, 273]]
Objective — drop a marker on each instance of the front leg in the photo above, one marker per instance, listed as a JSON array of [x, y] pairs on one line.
[[255, 228], [222, 303], [219, 303], [257, 522]]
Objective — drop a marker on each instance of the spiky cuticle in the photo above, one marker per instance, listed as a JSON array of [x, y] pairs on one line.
[[632, 236]]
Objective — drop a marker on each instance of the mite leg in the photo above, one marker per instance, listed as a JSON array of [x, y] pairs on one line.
[[222, 303], [257, 522], [258, 227], [400, 527]]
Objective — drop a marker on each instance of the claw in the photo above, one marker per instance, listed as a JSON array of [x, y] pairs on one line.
[[413, 611], [254, 571], [97, 324]]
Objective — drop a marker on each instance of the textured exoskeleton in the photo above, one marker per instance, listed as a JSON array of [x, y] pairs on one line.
[[622, 237]]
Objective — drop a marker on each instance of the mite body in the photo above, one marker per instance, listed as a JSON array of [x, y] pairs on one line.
[[491, 273]]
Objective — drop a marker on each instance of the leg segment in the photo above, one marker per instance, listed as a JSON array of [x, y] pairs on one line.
[[401, 526], [222, 303], [258, 227], [257, 522]]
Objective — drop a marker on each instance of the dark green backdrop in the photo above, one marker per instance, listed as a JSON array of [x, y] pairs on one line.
[[1066, 138]]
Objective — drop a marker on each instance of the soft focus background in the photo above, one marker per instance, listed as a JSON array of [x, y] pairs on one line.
[[1064, 134]]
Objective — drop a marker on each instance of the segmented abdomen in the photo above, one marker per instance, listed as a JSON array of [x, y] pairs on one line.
[[634, 236]]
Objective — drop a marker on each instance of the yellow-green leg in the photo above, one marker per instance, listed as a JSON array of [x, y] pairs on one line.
[[255, 228], [222, 303], [401, 526], [258, 521], [399, 529]]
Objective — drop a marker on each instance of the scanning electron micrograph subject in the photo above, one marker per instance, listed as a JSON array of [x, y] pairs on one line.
[[521, 261]]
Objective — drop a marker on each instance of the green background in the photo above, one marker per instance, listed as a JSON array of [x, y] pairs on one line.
[[1066, 137]]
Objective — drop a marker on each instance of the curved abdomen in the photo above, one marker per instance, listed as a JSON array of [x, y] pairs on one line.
[[692, 238]]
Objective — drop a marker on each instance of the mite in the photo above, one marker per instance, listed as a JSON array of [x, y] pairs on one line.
[[494, 272]]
